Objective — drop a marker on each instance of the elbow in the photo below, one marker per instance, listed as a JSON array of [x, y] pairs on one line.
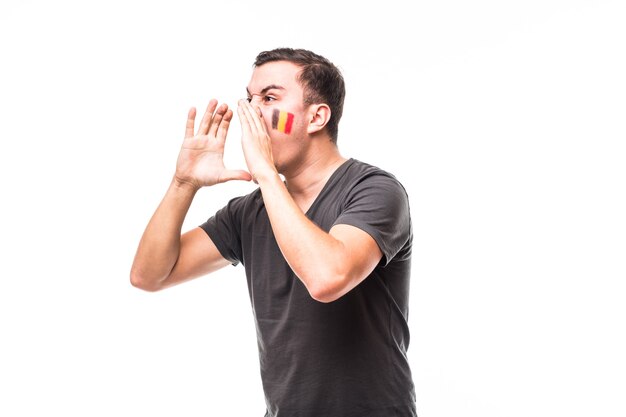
[[324, 297], [327, 291], [138, 280]]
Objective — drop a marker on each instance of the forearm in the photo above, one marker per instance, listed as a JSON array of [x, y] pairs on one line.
[[160, 244], [316, 257]]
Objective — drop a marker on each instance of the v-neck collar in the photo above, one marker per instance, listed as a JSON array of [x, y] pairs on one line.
[[337, 173]]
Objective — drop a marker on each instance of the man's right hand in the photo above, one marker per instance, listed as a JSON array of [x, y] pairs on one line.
[[201, 159]]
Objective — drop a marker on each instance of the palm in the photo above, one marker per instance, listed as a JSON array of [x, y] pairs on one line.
[[200, 161]]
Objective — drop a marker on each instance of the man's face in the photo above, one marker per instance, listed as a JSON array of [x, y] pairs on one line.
[[275, 90]]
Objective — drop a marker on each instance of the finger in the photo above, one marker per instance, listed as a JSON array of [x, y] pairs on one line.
[[246, 111], [263, 124], [206, 119], [245, 125], [217, 118], [191, 117], [224, 125], [254, 116]]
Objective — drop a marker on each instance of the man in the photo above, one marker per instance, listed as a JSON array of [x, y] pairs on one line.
[[326, 251]]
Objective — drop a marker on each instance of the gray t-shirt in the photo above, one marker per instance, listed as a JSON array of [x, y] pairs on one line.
[[347, 357]]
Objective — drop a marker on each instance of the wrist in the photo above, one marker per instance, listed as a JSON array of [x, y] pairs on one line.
[[184, 185], [266, 177]]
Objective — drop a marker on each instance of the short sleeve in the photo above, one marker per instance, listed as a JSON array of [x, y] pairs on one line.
[[224, 229], [379, 205]]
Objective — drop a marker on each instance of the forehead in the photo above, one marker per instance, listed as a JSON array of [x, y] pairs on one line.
[[281, 73]]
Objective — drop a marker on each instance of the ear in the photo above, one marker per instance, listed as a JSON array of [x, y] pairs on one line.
[[318, 115]]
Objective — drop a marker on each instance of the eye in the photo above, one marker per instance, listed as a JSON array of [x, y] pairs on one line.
[[268, 98], [249, 99]]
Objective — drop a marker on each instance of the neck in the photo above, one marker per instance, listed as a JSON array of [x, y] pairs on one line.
[[312, 173]]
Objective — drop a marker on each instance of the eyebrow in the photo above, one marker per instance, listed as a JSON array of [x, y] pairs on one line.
[[266, 89]]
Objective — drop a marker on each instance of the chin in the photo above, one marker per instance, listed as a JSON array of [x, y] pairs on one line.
[[287, 161]]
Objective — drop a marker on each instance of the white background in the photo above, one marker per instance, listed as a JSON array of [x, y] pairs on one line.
[[504, 120]]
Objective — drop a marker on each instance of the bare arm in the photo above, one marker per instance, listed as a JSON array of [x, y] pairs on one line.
[[329, 264], [164, 257]]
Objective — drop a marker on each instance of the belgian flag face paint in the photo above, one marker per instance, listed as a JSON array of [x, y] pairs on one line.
[[282, 121]]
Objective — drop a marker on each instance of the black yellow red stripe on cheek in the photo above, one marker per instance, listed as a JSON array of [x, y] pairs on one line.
[[282, 121]]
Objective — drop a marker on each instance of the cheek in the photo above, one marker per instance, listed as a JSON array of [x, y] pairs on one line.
[[281, 120]]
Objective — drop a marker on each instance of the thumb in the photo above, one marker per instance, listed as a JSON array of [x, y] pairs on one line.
[[235, 174]]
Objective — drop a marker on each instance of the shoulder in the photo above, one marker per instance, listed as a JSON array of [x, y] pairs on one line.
[[374, 180], [227, 224], [377, 203], [234, 213], [245, 203], [361, 170]]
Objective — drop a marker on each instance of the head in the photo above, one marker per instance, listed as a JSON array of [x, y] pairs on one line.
[[320, 80]]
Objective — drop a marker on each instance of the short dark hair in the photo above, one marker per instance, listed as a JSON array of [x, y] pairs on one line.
[[321, 80]]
